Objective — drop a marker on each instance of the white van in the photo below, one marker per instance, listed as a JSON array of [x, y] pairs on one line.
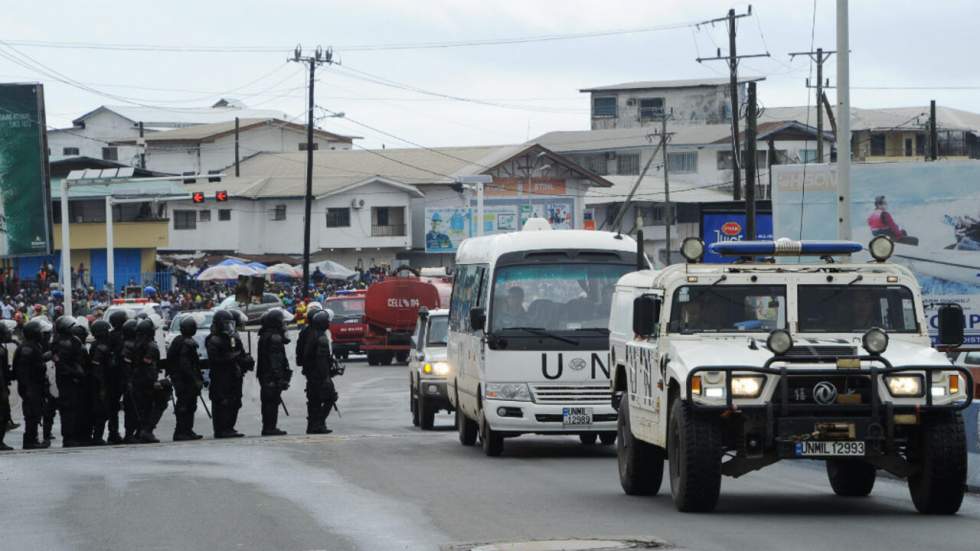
[[529, 334]]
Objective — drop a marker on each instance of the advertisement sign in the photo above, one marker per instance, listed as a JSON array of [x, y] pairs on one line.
[[730, 226], [930, 210], [25, 202], [448, 227], [513, 187]]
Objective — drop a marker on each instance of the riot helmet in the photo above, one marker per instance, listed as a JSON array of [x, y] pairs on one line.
[[223, 323], [101, 328], [117, 318], [188, 326], [63, 325], [129, 329], [274, 320], [321, 321], [145, 328]]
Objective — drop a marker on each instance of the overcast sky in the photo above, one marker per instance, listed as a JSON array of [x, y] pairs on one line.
[[534, 86]]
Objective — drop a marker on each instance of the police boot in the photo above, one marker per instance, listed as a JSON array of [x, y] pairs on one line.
[[31, 443], [4, 447], [11, 425], [311, 417], [147, 437]]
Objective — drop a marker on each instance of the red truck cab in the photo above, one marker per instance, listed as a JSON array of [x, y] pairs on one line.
[[348, 325]]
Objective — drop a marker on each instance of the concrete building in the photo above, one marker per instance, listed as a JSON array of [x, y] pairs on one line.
[[370, 206], [94, 133], [205, 148], [643, 103]]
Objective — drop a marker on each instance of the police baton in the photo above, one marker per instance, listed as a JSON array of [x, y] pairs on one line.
[[283, 404], [337, 409], [205, 404]]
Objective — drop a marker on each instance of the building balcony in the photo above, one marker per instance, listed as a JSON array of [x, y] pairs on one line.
[[392, 230]]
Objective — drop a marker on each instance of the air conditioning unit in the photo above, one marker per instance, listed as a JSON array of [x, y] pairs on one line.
[[631, 101], [356, 203]]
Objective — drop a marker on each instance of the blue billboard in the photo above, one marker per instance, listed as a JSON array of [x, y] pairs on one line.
[[730, 226]]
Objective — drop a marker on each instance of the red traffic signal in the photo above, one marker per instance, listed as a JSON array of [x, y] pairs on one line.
[[221, 196], [197, 197]]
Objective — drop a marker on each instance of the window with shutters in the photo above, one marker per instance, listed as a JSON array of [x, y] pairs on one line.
[[685, 162], [185, 219], [604, 106]]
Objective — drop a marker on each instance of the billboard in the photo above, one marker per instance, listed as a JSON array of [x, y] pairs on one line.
[[25, 202], [446, 227], [730, 226], [930, 210]]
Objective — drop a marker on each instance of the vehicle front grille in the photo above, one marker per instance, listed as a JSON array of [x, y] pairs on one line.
[[571, 394], [823, 350], [851, 389], [556, 418]]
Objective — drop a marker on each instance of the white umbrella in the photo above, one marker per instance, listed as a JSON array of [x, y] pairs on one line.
[[219, 272], [331, 269], [282, 270]]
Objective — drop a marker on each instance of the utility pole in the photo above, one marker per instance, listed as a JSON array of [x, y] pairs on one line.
[[732, 60], [818, 57], [933, 132], [843, 124], [320, 57], [142, 148], [668, 214], [750, 162], [237, 172]]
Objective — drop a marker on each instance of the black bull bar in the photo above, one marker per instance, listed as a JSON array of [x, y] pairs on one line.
[[874, 372]]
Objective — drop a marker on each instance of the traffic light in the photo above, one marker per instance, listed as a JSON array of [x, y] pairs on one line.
[[197, 197], [221, 196]]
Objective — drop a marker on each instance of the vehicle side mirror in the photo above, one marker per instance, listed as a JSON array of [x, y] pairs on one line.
[[952, 324], [646, 314], [478, 319]]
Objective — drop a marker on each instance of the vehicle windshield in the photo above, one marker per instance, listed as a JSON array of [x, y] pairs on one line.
[[438, 333], [856, 308], [554, 297], [346, 307], [203, 320], [728, 309]]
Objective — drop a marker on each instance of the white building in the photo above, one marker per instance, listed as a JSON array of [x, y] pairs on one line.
[[636, 104], [205, 148], [370, 207], [92, 134]]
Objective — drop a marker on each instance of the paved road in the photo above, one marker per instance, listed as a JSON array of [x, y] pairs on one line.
[[378, 483]]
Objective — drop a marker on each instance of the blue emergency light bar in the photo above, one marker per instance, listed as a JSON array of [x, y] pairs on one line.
[[784, 247]]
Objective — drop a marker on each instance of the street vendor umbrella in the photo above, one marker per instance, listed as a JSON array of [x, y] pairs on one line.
[[258, 267], [331, 269], [224, 272], [283, 270]]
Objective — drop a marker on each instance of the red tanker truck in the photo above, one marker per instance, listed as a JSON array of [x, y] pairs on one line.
[[391, 309]]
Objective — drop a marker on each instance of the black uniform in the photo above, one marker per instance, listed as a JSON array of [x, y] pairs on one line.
[[127, 360], [304, 335], [229, 362], [6, 377], [69, 359], [150, 394], [184, 370], [115, 382], [273, 370], [50, 403], [100, 360], [321, 395], [30, 368]]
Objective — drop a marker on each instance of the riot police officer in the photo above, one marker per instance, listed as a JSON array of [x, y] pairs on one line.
[[30, 367], [69, 358], [83, 425], [127, 360], [184, 369], [273, 370], [229, 362], [6, 377], [98, 384], [115, 382], [305, 332], [150, 392], [49, 402], [321, 395]]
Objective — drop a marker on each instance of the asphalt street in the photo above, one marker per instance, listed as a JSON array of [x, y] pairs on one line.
[[379, 483]]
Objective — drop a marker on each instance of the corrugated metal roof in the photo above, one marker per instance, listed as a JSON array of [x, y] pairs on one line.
[[912, 118], [651, 189], [134, 188], [175, 117], [659, 84], [621, 138], [209, 132]]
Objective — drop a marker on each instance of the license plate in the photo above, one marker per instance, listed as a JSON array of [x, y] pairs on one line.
[[576, 416], [831, 448]]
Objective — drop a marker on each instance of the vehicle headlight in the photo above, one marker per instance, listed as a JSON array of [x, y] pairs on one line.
[[779, 342], [438, 368], [516, 392], [747, 386], [875, 341], [904, 385]]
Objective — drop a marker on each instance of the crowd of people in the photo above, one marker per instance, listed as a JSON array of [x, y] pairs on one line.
[[121, 372]]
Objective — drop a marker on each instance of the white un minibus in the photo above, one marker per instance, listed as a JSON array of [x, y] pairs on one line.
[[529, 334]]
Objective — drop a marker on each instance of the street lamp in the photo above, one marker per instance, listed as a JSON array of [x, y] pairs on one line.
[[476, 182]]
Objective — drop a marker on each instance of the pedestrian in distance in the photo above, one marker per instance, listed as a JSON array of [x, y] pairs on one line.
[[229, 363], [30, 368], [273, 370], [321, 395], [184, 369]]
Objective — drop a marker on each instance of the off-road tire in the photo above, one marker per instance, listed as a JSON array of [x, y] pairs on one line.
[[426, 413], [588, 438], [467, 429], [851, 477], [402, 357], [641, 465], [386, 358], [938, 452], [607, 438], [694, 453], [491, 440]]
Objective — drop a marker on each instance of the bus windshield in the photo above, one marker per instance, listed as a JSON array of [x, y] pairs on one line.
[[728, 309], [554, 297], [856, 308]]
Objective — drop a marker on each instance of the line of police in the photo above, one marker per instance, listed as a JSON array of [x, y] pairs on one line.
[[121, 371]]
